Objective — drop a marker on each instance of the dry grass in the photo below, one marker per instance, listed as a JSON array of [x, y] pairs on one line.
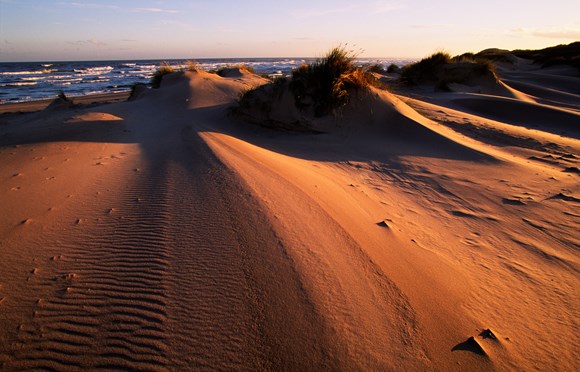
[[163, 70], [329, 81], [441, 69]]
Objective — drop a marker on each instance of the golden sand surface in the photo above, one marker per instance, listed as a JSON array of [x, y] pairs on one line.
[[423, 231]]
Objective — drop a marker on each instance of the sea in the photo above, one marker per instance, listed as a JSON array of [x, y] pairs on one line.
[[29, 81]]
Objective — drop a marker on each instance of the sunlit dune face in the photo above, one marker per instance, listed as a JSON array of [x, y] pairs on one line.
[[94, 116]]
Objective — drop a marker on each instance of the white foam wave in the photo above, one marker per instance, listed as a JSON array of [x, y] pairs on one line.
[[94, 70], [19, 84], [37, 72]]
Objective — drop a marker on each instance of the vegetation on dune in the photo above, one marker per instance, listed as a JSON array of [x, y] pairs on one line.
[[376, 68], [568, 55], [313, 90], [163, 70], [327, 83], [62, 96], [192, 66], [136, 90], [552, 56], [441, 70], [393, 68], [222, 71]]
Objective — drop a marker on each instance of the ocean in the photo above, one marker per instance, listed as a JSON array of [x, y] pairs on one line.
[[27, 81]]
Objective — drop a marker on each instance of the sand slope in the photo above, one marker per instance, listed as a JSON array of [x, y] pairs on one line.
[[162, 233]]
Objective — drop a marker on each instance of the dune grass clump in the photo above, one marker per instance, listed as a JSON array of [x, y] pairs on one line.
[[312, 91], [376, 68], [222, 71], [136, 90], [163, 70], [393, 68], [441, 70], [426, 70], [553, 56], [327, 83], [63, 97], [192, 66]]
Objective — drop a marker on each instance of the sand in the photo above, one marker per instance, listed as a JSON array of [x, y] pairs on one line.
[[438, 232]]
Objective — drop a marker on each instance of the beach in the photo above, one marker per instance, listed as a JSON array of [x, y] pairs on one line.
[[413, 229]]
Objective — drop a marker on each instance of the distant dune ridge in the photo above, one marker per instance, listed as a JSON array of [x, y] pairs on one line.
[[342, 218]]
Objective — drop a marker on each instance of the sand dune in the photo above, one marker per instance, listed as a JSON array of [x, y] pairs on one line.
[[163, 233]]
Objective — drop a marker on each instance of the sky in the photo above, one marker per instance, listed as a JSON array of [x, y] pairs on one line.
[[48, 30]]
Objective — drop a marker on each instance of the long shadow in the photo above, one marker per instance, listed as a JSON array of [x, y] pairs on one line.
[[527, 115], [43, 127], [389, 143], [159, 120]]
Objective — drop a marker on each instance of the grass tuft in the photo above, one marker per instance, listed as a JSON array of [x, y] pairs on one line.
[[192, 66], [441, 70], [393, 68], [223, 70], [328, 82], [163, 70], [62, 96]]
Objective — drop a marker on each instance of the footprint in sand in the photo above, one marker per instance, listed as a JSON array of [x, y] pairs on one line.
[[66, 277], [572, 170], [474, 344], [562, 196], [386, 223], [471, 345], [513, 201]]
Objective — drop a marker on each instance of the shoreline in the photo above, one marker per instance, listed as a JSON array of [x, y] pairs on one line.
[[38, 105]]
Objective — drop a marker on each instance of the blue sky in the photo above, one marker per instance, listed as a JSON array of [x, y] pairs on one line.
[[37, 30]]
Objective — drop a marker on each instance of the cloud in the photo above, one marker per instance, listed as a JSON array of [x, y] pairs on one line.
[[564, 34], [388, 6], [89, 42], [431, 25], [89, 5], [154, 10], [80, 5], [553, 33], [313, 13]]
